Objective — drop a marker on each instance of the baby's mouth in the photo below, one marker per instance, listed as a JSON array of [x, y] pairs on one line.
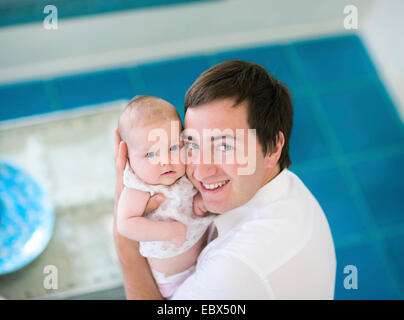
[[168, 173]]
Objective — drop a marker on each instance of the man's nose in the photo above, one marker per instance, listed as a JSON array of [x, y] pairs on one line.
[[203, 171]]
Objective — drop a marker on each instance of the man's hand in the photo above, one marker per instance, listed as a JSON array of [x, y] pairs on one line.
[[138, 280]]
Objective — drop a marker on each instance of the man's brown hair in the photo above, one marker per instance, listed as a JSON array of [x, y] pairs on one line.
[[269, 101]]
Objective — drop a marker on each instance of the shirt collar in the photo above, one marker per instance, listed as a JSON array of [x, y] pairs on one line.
[[270, 192]]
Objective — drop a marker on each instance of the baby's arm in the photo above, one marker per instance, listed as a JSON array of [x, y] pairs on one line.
[[132, 225]]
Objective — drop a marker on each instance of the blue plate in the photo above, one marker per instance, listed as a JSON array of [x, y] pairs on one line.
[[26, 219]]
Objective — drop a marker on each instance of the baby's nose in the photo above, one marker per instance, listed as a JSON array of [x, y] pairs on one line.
[[164, 158]]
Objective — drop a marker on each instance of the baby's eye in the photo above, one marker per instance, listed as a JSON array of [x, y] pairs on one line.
[[150, 154], [174, 148], [191, 145]]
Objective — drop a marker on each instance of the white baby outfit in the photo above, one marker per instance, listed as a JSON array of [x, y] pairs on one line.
[[178, 205]]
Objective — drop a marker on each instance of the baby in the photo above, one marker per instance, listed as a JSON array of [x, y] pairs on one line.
[[171, 237]]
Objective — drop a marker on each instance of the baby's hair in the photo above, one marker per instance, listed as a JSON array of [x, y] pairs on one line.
[[145, 110]]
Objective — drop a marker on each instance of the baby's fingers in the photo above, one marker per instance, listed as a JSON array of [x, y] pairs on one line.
[[198, 211]]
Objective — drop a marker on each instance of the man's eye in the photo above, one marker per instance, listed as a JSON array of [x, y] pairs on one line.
[[174, 148], [150, 154], [225, 147]]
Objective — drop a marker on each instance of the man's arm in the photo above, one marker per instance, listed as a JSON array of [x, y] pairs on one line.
[[138, 279]]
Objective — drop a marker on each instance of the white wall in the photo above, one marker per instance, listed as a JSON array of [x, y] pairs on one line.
[[382, 32], [124, 38]]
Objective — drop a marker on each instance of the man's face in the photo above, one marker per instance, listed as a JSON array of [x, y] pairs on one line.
[[220, 184]]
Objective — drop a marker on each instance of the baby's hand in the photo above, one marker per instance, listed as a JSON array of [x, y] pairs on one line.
[[199, 206], [180, 233]]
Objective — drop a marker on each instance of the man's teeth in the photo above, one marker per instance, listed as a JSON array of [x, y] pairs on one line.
[[215, 186]]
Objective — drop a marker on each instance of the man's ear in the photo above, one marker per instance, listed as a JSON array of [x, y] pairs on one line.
[[272, 158]]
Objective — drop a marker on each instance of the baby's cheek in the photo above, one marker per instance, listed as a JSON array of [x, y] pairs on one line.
[[147, 172], [180, 168]]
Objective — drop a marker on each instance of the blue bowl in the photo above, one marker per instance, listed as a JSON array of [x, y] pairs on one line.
[[26, 219]]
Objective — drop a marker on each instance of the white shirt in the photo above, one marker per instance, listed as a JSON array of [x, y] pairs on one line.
[[278, 245]]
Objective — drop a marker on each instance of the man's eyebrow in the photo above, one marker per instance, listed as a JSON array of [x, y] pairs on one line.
[[222, 136], [185, 136], [212, 138]]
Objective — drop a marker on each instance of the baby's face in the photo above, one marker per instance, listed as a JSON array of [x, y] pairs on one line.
[[155, 152]]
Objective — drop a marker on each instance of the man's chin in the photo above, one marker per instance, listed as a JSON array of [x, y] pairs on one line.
[[217, 208]]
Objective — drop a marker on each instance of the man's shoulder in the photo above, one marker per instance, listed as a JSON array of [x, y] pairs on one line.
[[271, 233]]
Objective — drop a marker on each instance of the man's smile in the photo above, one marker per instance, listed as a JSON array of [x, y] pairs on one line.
[[216, 186]]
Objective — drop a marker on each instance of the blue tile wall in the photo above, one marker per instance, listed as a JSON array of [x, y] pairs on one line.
[[93, 88], [395, 249], [313, 143], [360, 117], [342, 212], [374, 279], [24, 99], [347, 143], [171, 79], [382, 183], [273, 58], [334, 59]]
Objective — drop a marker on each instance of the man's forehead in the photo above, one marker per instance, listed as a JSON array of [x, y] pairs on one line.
[[217, 114]]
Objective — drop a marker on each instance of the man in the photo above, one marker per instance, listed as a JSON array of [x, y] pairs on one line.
[[270, 238]]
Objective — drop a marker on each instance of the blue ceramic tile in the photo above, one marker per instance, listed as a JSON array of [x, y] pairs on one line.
[[93, 88], [381, 181], [26, 99], [374, 280], [331, 191], [333, 59], [307, 141], [170, 80], [395, 250], [362, 118], [273, 58]]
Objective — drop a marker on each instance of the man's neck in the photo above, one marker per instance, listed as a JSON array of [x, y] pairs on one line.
[[272, 173]]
